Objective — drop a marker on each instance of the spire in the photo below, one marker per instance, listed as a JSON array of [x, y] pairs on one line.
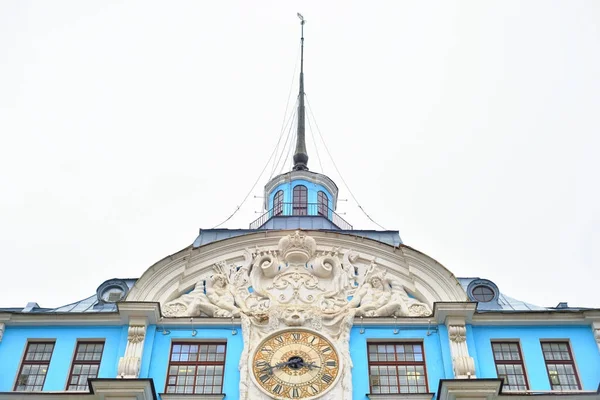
[[300, 155]]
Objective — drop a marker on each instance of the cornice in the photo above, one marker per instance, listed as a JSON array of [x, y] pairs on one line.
[[456, 389], [139, 312], [100, 389], [61, 319], [448, 311], [554, 317], [148, 313], [400, 396], [142, 313], [173, 396]]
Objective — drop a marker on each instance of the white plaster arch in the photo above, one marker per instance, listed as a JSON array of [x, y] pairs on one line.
[[176, 274]]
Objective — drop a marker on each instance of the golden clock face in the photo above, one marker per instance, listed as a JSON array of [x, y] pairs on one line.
[[295, 364]]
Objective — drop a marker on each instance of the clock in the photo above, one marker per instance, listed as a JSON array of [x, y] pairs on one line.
[[295, 364]]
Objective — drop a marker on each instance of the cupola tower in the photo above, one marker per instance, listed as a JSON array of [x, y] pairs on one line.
[[301, 198]]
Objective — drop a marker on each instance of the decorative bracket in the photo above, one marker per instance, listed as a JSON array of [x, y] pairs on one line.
[[2, 328], [464, 365], [595, 328], [130, 363]]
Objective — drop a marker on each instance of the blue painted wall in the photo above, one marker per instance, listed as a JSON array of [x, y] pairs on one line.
[[14, 342], [434, 360], [158, 357], [288, 189], [155, 359], [584, 348]]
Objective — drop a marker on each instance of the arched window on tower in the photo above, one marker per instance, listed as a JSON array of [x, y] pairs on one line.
[[300, 198], [323, 202], [278, 203]]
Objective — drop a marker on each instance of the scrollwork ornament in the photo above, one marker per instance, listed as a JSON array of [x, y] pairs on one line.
[[136, 333], [457, 333]]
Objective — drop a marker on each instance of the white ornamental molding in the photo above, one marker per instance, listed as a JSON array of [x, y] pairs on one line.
[[277, 281], [2, 328], [192, 268], [129, 364], [463, 364], [596, 336], [297, 279]]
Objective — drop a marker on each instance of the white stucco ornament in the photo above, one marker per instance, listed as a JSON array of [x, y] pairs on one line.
[[298, 285], [463, 364], [294, 279], [129, 364]]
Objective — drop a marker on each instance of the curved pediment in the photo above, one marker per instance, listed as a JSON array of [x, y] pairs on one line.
[[327, 270]]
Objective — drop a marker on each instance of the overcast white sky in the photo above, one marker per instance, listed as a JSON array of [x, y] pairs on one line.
[[471, 127]]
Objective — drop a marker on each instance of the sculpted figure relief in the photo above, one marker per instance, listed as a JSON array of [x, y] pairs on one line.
[[215, 300], [296, 276], [380, 296], [297, 286]]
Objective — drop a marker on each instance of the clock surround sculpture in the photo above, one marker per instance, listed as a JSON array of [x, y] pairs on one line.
[[297, 291]]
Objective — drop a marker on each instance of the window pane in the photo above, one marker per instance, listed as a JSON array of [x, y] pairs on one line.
[[509, 366], [300, 200], [34, 367], [397, 368], [560, 366], [198, 369], [86, 363]]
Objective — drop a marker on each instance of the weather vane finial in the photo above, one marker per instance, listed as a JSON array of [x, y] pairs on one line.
[[300, 155]]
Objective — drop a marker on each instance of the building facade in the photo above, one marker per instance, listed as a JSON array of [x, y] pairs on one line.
[[299, 306]]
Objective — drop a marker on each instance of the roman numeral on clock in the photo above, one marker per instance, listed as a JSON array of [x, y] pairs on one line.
[[331, 363], [295, 392], [313, 389], [277, 389], [264, 378], [326, 350], [296, 336], [279, 339], [327, 378]]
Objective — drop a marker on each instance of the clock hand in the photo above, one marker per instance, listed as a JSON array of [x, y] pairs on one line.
[[281, 364], [269, 368], [310, 365]]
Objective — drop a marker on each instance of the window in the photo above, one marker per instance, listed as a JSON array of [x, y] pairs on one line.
[[278, 203], [323, 204], [34, 366], [397, 368], [483, 293], [300, 200], [509, 366], [560, 366], [196, 368], [86, 363]]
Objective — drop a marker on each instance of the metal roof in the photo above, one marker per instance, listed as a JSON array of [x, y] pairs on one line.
[[87, 305], [502, 302], [207, 236]]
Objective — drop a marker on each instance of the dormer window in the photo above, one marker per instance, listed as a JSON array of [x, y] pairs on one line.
[[323, 204], [300, 200], [278, 203]]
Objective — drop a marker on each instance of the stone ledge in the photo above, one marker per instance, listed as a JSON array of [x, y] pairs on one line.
[[400, 396], [100, 389], [180, 396]]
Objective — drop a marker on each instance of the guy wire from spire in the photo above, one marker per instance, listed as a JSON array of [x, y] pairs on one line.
[[337, 169], [260, 175], [301, 156]]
